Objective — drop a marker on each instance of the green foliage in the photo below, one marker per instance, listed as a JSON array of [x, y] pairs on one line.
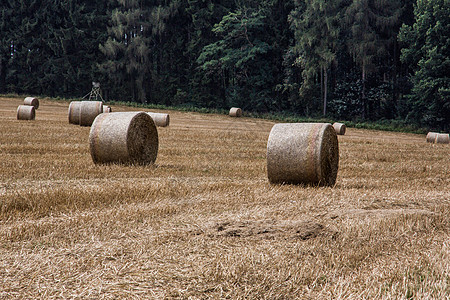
[[428, 52]]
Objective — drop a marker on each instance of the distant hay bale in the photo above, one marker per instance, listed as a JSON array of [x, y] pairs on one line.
[[161, 120], [303, 153], [431, 137], [89, 110], [107, 109], [123, 137], [442, 138], [32, 102], [235, 112], [340, 128], [26, 112], [74, 112]]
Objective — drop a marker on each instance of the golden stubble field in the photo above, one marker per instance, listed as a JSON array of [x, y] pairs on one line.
[[204, 222]]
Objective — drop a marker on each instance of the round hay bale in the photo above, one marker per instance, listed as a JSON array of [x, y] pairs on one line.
[[32, 102], [340, 128], [123, 137], [431, 137], [89, 110], [74, 112], [161, 120], [303, 153], [442, 138], [26, 112], [107, 109], [235, 112]]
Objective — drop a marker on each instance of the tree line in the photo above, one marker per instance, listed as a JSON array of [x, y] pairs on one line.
[[347, 59]]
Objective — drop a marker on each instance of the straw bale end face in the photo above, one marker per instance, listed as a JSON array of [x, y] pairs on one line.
[[74, 112], [235, 112], [31, 101], [123, 137], [303, 153], [26, 112]]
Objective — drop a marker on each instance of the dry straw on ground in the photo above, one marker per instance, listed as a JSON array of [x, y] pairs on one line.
[[431, 137], [161, 120], [124, 137], [107, 109], [74, 112], [235, 112], [442, 138], [31, 101], [302, 153], [26, 112], [340, 128], [203, 222], [89, 110]]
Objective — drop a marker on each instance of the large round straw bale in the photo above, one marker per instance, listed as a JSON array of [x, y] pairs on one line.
[[88, 111], [32, 102], [123, 137], [26, 112], [161, 120], [431, 137], [235, 112], [107, 109], [74, 112], [340, 128], [303, 153], [442, 138]]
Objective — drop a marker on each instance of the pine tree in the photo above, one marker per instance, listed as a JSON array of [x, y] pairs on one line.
[[315, 23], [428, 51], [372, 31]]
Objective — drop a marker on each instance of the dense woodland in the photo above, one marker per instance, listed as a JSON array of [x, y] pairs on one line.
[[346, 59]]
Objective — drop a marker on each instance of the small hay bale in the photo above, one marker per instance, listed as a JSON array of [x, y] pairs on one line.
[[107, 109], [74, 112], [340, 128], [235, 112], [123, 137], [431, 137], [26, 112], [32, 102], [303, 153], [89, 110], [161, 120], [442, 138]]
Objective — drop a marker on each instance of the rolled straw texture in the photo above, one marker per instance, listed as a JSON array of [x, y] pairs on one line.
[[431, 137], [303, 153], [74, 112], [235, 112], [26, 112], [340, 128], [123, 137], [89, 110], [161, 120], [32, 102], [442, 138], [107, 109]]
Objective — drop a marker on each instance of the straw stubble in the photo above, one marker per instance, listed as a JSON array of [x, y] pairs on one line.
[[124, 137], [303, 153]]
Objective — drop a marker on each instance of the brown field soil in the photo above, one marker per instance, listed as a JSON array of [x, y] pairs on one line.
[[204, 222]]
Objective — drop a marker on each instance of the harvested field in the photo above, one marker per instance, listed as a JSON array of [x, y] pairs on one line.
[[204, 222]]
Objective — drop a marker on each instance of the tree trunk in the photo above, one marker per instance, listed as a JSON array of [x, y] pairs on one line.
[[325, 91]]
